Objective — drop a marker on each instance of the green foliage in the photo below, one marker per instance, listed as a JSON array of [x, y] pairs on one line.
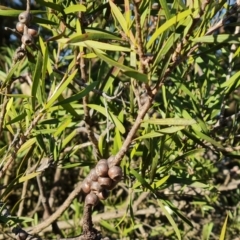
[[84, 80]]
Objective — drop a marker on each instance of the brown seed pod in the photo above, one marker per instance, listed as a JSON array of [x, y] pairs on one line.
[[115, 173], [95, 187], [102, 169], [86, 186], [20, 27], [103, 195], [93, 175], [32, 32], [91, 199], [27, 39], [105, 182], [110, 159], [24, 17], [23, 235], [102, 161]]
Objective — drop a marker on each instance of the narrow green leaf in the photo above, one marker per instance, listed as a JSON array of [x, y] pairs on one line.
[[55, 6], [78, 96], [109, 227], [37, 80], [62, 127], [27, 144], [29, 176], [93, 34], [119, 17], [167, 25], [18, 118], [137, 75], [224, 229], [149, 135], [114, 119], [190, 153], [218, 38], [75, 8], [68, 107], [11, 72], [171, 129], [43, 21], [59, 89], [208, 139], [166, 47], [14, 13], [141, 180], [129, 71], [233, 81], [171, 121], [164, 6], [159, 183], [170, 219], [102, 46]]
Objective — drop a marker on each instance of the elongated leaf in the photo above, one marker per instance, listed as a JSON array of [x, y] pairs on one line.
[[109, 227], [62, 127], [219, 38], [208, 139], [232, 82], [101, 45], [171, 121], [149, 135], [170, 219], [27, 144], [78, 96], [43, 21], [91, 34], [171, 129], [167, 25], [14, 13], [159, 183], [28, 177], [141, 180], [115, 120], [165, 8], [11, 72], [190, 154], [59, 89], [224, 229], [37, 80], [75, 8], [119, 17], [52, 5], [128, 70], [18, 118], [167, 46]]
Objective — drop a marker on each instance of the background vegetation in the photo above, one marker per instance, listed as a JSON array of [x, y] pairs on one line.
[[154, 83]]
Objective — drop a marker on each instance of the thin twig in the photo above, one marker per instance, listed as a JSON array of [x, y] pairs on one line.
[[38, 228], [47, 208], [139, 36], [4, 107], [28, 6]]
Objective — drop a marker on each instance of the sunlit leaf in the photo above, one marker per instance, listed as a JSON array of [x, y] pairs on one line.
[[167, 25], [59, 89], [171, 121], [105, 112], [28, 177], [170, 219], [218, 38], [75, 8], [224, 229]]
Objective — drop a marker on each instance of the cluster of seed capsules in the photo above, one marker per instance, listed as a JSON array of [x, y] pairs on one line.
[[23, 27], [100, 181]]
